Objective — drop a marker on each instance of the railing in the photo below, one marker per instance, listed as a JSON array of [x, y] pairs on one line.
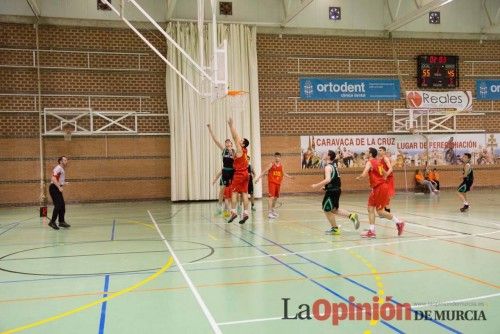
[[88, 59]]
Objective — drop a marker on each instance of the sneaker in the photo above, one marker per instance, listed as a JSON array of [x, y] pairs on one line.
[[400, 226], [464, 208], [226, 214], [253, 207], [243, 219], [64, 224], [368, 234], [232, 217], [218, 211], [333, 231], [53, 225], [276, 214], [355, 220], [387, 210]]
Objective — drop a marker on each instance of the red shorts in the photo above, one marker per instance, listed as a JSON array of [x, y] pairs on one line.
[[228, 192], [240, 182], [379, 196], [274, 189]]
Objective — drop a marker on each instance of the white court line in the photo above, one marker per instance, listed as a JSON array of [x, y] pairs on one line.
[[204, 307], [363, 311], [343, 248]]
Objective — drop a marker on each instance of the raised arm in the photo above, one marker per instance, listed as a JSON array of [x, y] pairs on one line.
[[213, 137], [236, 137]]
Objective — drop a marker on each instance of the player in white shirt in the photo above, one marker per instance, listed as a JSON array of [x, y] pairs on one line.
[[57, 182]]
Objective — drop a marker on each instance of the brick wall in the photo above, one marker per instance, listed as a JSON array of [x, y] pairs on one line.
[[138, 167], [100, 68], [281, 125]]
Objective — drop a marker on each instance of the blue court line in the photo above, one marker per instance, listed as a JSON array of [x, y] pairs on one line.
[[308, 278], [394, 301], [102, 322], [104, 305]]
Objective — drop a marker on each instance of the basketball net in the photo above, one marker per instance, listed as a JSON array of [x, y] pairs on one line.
[[68, 131], [237, 99]]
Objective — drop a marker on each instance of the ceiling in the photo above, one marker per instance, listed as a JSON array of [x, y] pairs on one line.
[[474, 19]]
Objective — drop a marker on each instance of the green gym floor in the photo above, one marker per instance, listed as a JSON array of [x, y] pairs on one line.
[[113, 272]]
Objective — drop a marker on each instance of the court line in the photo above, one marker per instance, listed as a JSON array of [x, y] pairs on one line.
[[102, 321], [215, 285], [10, 228], [197, 296], [394, 301], [471, 278], [94, 303], [324, 287]]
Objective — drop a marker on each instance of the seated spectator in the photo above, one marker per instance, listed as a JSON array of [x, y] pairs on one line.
[[420, 179], [434, 177]]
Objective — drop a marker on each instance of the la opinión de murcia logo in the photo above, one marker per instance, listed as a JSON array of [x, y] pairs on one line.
[[323, 309]]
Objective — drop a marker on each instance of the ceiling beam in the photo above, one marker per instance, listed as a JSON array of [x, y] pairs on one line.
[[398, 23], [291, 15], [35, 7]]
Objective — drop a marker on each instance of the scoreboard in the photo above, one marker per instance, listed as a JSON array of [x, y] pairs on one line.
[[437, 71]]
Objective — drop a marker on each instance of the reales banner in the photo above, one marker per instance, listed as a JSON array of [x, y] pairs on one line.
[[453, 100]]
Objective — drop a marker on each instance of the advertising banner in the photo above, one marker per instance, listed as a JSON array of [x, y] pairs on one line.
[[349, 89], [452, 100]]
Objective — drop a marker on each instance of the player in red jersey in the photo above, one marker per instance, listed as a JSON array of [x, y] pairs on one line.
[[239, 184], [379, 196], [275, 174], [386, 163]]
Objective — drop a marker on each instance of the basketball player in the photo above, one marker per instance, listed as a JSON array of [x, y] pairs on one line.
[[57, 182], [331, 184], [227, 166], [386, 163], [275, 174], [379, 195], [239, 184], [468, 179]]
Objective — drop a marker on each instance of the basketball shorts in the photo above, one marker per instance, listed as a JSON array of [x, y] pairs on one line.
[[274, 189], [331, 200], [240, 182], [379, 196], [464, 187]]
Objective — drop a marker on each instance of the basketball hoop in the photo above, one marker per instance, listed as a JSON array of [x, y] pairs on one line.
[[68, 131], [238, 100]]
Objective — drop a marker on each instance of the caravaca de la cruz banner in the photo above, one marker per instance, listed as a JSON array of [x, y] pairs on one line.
[[488, 90], [456, 100], [349, 89], [403, 150]]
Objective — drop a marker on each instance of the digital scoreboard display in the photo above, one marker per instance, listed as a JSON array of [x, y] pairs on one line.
[[437, 71]]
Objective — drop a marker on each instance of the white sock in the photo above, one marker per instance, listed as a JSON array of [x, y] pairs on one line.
[[466, 203], [372, 228], [395, 219], [245, 212]]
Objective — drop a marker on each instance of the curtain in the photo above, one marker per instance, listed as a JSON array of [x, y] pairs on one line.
[[195, 159]]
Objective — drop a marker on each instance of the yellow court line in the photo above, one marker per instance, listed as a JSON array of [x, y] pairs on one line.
[[94, 303], [211, 236]]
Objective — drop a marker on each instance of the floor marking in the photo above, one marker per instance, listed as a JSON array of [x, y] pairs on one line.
[[94, 303], [200, 301]]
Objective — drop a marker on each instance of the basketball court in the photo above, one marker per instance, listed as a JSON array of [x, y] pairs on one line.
[[131, 265], [59, 282]]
